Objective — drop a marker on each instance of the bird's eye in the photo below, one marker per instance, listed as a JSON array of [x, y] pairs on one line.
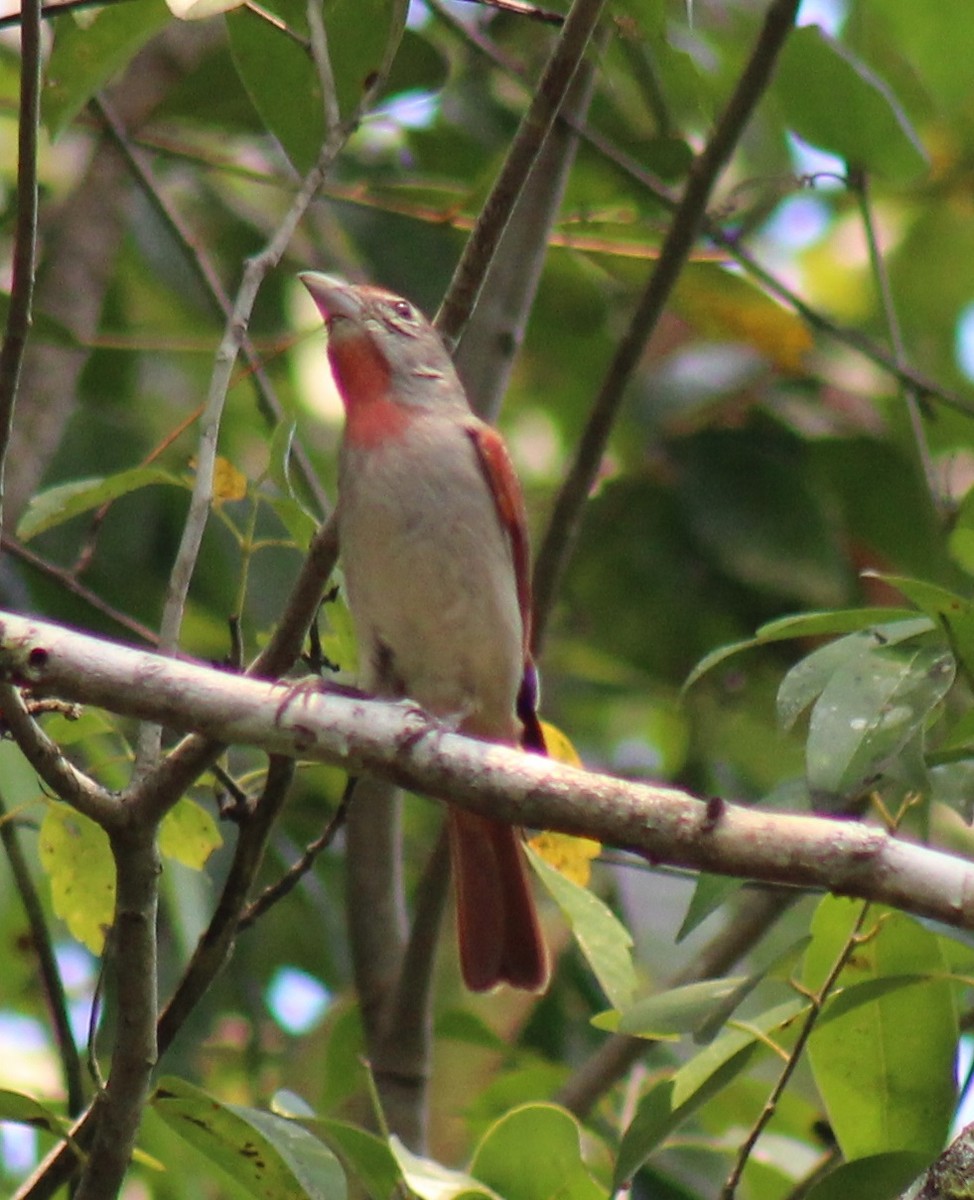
[[402, 308]]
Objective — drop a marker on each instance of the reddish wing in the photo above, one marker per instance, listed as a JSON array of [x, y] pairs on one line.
[[506, 489]]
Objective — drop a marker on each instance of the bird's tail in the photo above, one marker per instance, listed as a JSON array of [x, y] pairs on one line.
[[497, 922]]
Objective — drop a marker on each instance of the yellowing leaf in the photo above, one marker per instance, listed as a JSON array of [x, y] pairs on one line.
[[572, 856], [189, 835], [228, 482], [74, 852], [723, 306], [559, 746]]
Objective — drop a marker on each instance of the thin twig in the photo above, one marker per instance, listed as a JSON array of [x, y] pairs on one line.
[[729, 1189], [25, 230], [747, 924], [520, 9], [296, 872], [909, 377], [201, 499], [859, 183], [562, 531], [43, 947], [216, 943], [468, 278], [67, 580], [121, 1102], [65, 780], [205, 270]]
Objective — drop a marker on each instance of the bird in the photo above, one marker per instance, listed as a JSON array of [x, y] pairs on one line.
[[434, 549]]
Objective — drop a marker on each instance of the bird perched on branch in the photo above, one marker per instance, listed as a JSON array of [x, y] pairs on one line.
[[434, 547]]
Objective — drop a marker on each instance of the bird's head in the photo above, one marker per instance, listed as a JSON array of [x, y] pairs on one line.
[[381, 346]]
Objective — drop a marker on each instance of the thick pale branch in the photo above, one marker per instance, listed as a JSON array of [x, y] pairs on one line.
[[664, 824]]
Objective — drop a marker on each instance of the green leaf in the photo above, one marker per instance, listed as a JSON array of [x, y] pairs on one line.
[[871, 707], [809, 677], [270, 1157], [878, 1177], [884, 1068], [534, 1153], [276, 69], [805, 625], [86, 56], [602, 938], [709, 893], [752, 509], [77, 859], [295, 518], [418, 66], [837, 103], [189, 834], [25, 1110], [680, 1010], [363, 1154], [43, 329], [59, 504], [265, 56], [672, 1101], [946, 608], [429, 1180]]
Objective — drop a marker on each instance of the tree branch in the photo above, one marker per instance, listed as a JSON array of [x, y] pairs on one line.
[[119, 1106], [468, 278], [64, 780], [42, 946], [25, 232], [688, 220], [216, 943], [398, 742]]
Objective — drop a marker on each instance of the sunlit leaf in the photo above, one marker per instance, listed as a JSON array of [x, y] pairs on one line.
[[364, 1154], [533, 1153], [189, 834], [77, 859], [885, 1069], [672, 1101], [25, 1110], [429, 1180], [572, 856], [602, 938]]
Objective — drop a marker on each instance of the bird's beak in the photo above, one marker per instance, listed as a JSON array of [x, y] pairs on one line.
[[334, 297]]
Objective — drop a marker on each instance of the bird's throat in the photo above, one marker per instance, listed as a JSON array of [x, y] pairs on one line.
[[372, 414]]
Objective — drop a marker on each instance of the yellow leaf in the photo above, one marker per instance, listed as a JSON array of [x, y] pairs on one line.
[[189, 834], [721, 305], [572, 856], [228, 482], [76, 856], [559, 746]]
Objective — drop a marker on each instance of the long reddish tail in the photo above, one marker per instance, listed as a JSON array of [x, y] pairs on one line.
[[500, 936]]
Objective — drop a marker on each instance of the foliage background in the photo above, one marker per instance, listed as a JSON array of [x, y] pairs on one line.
[[762, 461]]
